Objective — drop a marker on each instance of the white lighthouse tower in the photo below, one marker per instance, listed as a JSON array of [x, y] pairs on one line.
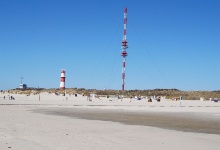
[[62, 79]]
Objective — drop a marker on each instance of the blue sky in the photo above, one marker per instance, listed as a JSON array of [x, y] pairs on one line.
[[172, 43]]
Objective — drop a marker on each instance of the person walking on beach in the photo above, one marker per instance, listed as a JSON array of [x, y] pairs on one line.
[[89, 97]]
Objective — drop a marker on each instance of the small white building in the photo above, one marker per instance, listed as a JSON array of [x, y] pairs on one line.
[[23, 86]]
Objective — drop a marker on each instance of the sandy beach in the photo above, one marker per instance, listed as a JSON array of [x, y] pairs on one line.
[[67, 122]]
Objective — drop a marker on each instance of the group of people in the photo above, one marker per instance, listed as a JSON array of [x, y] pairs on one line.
[[90, 97], [10, 97]]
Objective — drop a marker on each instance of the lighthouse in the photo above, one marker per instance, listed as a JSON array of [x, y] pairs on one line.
[[62, 79]]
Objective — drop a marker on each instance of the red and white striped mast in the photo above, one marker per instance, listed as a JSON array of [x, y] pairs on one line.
[[124, 47]]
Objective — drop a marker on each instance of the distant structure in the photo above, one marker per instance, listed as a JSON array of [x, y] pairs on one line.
[[22, 86], [62, 79], [124, 47]]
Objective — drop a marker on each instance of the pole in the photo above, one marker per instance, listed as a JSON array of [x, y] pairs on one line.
[[124, 47]]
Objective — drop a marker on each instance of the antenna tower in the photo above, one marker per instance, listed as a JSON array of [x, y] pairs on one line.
[[21, 79], [124, 47]]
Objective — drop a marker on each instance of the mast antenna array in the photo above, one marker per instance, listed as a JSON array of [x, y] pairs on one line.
[[124, 47]]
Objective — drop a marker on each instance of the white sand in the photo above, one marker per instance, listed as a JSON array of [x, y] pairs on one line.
[[20, 128]]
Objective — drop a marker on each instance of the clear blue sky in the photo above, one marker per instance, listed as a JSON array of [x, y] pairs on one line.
[[172, 43]]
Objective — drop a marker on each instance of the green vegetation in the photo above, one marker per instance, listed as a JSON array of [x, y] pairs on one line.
[[169, 93]]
